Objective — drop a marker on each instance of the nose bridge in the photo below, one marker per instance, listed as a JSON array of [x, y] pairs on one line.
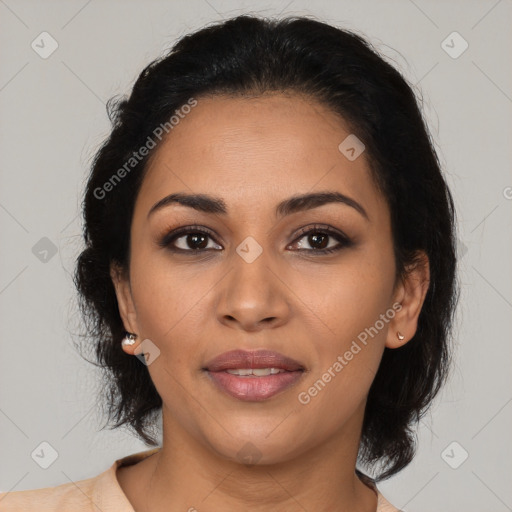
[[251, 270], [252, 293]]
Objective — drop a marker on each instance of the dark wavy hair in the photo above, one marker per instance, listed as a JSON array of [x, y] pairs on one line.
[[249, 55]]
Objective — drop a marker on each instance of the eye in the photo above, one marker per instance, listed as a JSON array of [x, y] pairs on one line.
[[189, 239], [195, 239], [318, 237]]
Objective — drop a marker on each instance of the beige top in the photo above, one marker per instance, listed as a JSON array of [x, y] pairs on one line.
[[100, 493]]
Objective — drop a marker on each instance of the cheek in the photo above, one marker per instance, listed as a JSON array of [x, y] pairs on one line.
[[345, 299], [352, 320], [345, 365], [167, 300]]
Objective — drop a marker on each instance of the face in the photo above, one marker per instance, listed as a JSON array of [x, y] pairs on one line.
[[313, 281]]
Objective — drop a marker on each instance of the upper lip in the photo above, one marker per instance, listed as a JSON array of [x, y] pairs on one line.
[[252, 359]]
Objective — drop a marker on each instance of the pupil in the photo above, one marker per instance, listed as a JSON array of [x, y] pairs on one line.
[[195, 238], [313, 239], [316, 240]]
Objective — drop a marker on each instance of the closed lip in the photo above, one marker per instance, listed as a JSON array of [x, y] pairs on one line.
[[252, 359]]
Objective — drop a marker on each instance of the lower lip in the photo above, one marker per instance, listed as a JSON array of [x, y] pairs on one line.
[[252, 388]]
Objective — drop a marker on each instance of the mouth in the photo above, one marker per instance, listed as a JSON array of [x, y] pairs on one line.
[[253, 375]]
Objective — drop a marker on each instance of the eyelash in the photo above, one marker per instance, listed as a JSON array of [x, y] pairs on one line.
[[168, 239]]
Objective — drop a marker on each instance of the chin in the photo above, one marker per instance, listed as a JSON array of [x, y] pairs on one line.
[[261, 446]]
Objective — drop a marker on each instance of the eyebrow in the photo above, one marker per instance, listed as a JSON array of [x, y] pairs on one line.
[[216, 205]]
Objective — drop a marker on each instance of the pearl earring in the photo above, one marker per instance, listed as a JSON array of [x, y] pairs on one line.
[[400, 336], [129, 339]]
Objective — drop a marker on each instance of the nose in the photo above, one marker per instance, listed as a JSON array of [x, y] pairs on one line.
[[252, 296]]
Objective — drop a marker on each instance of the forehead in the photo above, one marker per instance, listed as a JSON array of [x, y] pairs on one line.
[[252, 149]]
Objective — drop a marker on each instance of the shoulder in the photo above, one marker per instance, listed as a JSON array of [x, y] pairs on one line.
[[383, 504], [73, 496], [101, 492]]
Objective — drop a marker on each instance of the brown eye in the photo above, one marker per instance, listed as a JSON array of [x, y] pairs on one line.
[[322, 239], [190, 239], [196, 239]]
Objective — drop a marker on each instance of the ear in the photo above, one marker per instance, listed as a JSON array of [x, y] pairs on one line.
[[410, 293], [125, 301]]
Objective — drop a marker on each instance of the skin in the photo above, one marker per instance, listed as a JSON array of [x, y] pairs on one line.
[[255, 152]]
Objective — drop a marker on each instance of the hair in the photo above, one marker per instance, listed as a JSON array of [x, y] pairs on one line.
[[249, 55]]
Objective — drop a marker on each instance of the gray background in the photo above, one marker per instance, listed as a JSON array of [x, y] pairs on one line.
[[53, 119]]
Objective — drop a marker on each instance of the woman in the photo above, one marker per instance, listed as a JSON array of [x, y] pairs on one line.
[[270, 263]]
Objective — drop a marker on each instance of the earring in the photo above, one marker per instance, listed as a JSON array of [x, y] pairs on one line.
[[129, 339], [400, 336]]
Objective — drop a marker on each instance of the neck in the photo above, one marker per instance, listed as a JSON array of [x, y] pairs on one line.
[[187, 475]]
